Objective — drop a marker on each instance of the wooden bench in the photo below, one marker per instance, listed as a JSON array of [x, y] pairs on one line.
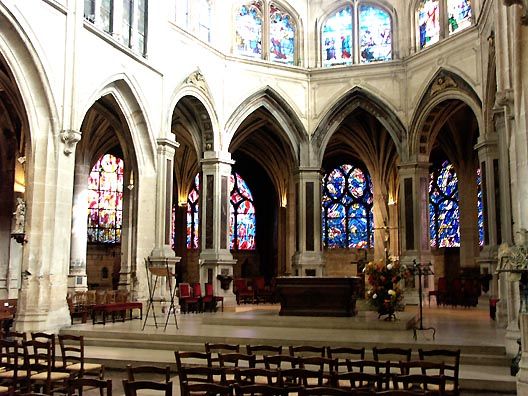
[[117, 307]]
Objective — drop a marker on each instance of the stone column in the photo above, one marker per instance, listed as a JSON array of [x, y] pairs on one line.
[[414, 212], [77, 279], [522, 375], [488, 153], [308, 258], [215, 256], [162, 254]]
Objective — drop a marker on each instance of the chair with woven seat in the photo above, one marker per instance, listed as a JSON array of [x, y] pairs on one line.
[[307, 350], [132, 387], [393, 355], [258, 390], [47, 337], [360, 381], [260, 350], [257, 376], [40, 371], [187, 300], [341, 354], [231, 361], [164, 373], [318, 363], [192, 358], [215, 348], [78, 385], [326, 391], [200, 389], [428, 384], [13, 374], [451, 361], [72, 351]]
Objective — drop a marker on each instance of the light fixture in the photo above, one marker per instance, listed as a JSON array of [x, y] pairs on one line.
[[131, 181], [21, 159]]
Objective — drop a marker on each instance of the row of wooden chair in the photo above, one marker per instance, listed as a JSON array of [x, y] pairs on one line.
[[26, 364]]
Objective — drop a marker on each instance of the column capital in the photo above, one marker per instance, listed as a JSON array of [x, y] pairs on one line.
[[523, 4], [167, 144], [216, 157], [411, 167], [488, 143]]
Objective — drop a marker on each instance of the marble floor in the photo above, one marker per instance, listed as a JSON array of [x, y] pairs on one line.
[[471, 329]]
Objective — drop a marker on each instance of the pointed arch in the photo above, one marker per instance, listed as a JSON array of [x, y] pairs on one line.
[[443, 91], [280, 109], [350, 101], [127, 97], [195, 87]]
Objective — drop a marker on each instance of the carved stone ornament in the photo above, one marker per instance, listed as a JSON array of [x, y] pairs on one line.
[[523, 4], [70, 138], [442, 82], [197, 78]]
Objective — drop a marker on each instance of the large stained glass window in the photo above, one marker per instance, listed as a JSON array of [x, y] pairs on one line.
[[204, 20], [105, 200], [480, 209], [192, 214], [242, 219], [375, 34], [444, 216], [458, 15], [249, 29], [347, 218], [337, 38], [282, 36], [429, 22]]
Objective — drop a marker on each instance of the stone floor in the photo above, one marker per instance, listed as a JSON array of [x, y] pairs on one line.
[[126, 342]]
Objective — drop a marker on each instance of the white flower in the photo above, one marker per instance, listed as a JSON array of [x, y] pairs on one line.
[[374, 296], [392, 292], [389, 266]]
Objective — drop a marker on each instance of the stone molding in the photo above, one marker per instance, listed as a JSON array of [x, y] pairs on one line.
[[523, 4]]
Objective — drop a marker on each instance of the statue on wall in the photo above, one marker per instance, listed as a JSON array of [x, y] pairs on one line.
[[20, 217]]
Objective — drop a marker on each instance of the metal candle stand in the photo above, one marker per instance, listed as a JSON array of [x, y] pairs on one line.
[[420, 270]]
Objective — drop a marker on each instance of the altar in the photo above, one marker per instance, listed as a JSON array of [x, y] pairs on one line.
[[317, 296]]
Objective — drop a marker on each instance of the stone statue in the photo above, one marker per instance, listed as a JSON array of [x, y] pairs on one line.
[[20, 216]]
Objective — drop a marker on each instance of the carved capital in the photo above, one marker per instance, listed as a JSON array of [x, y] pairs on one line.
[[70, 138], [504, 98], [524, 6], [196, 78]]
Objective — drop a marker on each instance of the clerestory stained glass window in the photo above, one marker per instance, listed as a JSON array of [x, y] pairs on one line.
[[480, 209], [458, 15], [249, 29], [192, 214], [105, 200], [282, 36], [375, 34], [429, 22], [242, 215], [347, 217], [337, 38]]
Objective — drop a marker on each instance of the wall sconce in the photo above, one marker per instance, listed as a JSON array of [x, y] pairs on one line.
[[391, 202], [131, 181], [22, 159], [284, 201]]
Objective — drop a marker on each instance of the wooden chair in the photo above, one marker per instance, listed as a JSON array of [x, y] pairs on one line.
[[211, 298], [242, 291], [81, 384], [307, 350], [360, 381], [341, 354], [200, 389], [197, 293], [257, 376], [192, 358], [47, 337], [6, 391], [393, 355], [260, 350], [300, 377], [13, 374], [426, 384], [258, 390], [451, 361], [262, 292], [200, 374], [317, 363], [72, 351], [380, 368], [231, 361], [327, 391], [281, 362], [187, 300], [163, 372], [131, 387], [215, 348], [18, 336], [39, 364]]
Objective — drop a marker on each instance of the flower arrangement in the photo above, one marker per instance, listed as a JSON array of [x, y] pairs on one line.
[[384, 293]]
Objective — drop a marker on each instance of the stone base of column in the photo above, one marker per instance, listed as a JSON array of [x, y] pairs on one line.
[[522, 375], [510, 340], [219, 272], [77, 282], [501, 316], [411, 297], [308, 264], [161, 258]]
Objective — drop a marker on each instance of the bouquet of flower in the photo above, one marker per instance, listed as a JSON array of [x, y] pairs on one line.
[[384, 293]]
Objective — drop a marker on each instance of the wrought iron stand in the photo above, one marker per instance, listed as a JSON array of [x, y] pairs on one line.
[[420, 270]]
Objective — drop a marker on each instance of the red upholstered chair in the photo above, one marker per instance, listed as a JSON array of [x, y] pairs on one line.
[[187, 300], [242, 292], [197, 293], [210, 299], [262, 292]]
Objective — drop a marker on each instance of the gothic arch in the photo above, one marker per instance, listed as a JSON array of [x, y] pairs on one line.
[[283, 113], [445, 90], [195, 94], [126, 96], [350, 101]]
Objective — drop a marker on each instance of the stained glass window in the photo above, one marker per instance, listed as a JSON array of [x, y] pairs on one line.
[[105, 200], [282, 36], [375, 34], [347, 217], [337, 38], [204, 20], [429, 22], [242, 215], [249, 29], [192, 214], [444, 214], [480, 209], [458, 15]]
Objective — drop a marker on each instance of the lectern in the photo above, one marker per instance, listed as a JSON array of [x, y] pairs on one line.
[[157, 275]]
